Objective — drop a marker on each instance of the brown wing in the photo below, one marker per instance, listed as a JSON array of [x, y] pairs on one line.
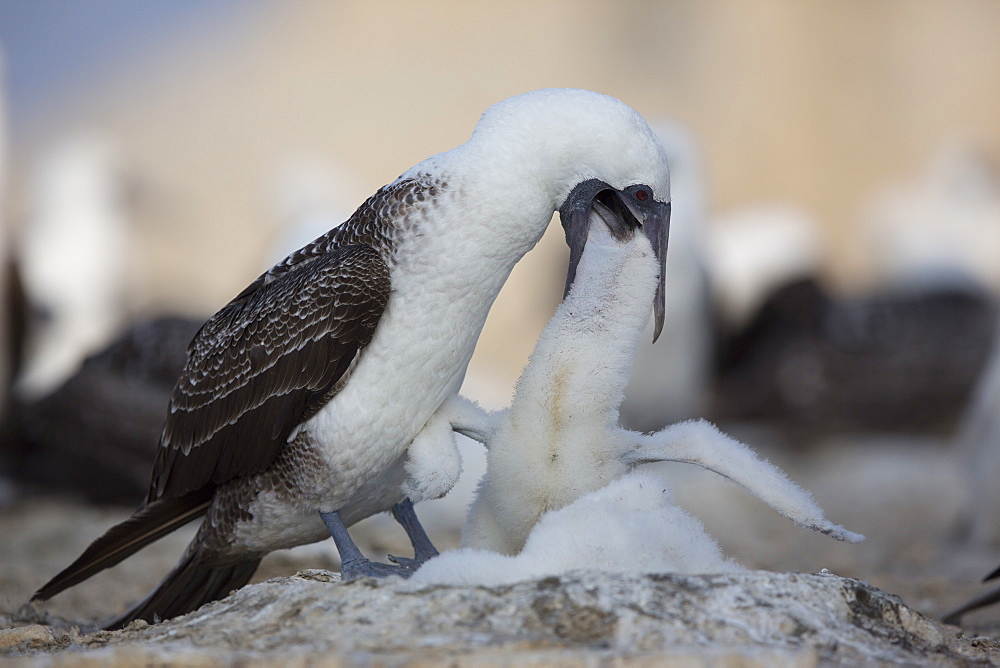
[[263, 364]]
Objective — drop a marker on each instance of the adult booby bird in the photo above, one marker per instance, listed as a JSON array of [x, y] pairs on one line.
[[323, 393], [560, 437]]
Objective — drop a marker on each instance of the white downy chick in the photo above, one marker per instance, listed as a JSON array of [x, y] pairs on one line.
[[630, 525], [560, 439]]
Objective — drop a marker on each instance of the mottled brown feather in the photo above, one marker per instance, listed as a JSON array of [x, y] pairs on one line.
[[261, 362], [282, 348], [153, 521]]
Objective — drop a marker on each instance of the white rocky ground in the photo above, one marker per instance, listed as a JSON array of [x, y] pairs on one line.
[[905, 495], [755, 618]]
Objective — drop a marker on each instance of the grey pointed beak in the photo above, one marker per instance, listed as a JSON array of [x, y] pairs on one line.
[[574, 215], [621, 216], [656, 227]]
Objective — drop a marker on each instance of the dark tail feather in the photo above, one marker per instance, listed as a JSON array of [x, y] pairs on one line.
[[955, 616], [190, 585], [122, 540]]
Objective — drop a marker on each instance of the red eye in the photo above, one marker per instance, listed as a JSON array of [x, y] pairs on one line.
[[642, 195]]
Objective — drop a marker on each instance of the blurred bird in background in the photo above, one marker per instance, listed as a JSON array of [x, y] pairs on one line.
[[73, 253]]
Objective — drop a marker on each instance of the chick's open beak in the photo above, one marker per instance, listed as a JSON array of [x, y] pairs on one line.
[[622, 216]]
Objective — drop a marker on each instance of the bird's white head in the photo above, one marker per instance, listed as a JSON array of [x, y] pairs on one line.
[[593, 157], [562, 137]]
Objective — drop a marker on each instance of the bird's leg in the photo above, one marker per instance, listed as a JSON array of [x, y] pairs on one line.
[[423, 549], [699, 442], [353, 564]]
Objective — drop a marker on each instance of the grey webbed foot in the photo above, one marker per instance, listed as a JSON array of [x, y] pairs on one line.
[[364, 567], [423, 549], [353, 564]]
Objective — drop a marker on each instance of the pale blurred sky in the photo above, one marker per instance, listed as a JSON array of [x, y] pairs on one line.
[[50, 44]]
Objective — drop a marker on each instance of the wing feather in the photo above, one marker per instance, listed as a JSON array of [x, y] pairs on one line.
[[262, 363]]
